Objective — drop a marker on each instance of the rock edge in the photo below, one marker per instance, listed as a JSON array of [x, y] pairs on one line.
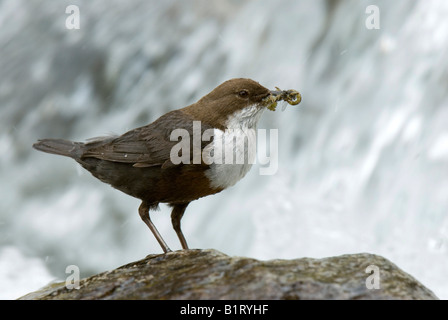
[[210, 274]]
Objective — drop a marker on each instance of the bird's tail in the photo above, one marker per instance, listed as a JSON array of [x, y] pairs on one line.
[[59, 146]]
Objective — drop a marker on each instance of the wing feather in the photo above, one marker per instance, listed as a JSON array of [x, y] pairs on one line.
[[145, 146]]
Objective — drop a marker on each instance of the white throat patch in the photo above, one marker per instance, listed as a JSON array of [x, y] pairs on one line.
[[246, 118], [235, 146]]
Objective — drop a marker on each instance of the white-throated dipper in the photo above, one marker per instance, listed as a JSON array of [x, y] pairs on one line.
[[139, 162]]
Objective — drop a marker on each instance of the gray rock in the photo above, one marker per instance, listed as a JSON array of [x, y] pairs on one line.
[[209, 274]]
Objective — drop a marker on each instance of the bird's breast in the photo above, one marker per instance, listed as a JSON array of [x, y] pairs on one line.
[[233, 151], [230, 156]]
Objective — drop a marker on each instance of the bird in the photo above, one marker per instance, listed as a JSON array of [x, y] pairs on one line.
[[144, 162]]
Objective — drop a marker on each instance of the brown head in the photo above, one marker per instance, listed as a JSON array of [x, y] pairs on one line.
[[228, 98]]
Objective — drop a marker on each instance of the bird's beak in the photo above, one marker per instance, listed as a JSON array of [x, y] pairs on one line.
[[292, 97], [276, 93]]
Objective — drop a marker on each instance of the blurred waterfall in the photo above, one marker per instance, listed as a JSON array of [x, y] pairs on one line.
[[363, 162]]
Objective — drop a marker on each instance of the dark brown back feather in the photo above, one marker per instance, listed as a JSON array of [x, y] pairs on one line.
[[145, 146]]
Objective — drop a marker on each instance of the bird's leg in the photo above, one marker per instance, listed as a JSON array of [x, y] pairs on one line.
[[176, 216], [143, 210]]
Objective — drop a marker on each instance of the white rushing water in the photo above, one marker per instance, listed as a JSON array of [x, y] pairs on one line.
[[363, 162]]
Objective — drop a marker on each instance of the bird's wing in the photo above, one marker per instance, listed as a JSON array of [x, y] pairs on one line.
[[145, 146]]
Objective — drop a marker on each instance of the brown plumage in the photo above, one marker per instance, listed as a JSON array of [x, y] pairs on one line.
[[138, 162]]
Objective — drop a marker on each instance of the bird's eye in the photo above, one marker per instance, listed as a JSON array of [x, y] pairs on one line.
[[243, 93]]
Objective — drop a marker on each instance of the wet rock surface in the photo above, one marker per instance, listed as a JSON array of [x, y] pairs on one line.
[[210, 274]]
